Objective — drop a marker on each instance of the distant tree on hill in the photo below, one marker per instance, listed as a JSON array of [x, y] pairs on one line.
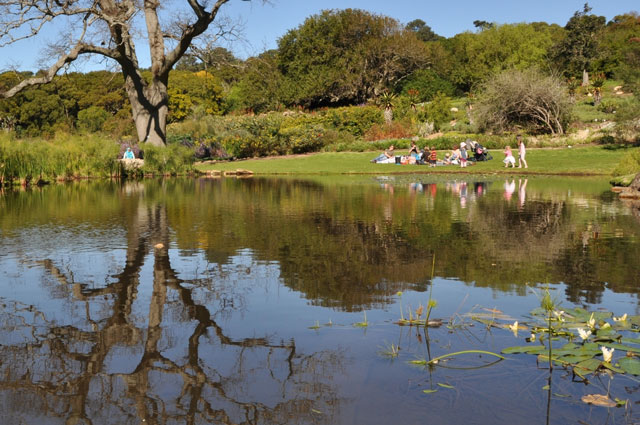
[[483, 25], [580, 48], [422, 30]]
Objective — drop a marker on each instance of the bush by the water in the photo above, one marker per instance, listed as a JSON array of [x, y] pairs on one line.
[[71, 157], [173, 159], [630, 164]]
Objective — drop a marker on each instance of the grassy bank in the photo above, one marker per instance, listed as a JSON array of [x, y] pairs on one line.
[[588, 160]]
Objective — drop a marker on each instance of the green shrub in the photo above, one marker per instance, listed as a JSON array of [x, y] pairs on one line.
[[302, 139], [630, 164], [26, 160], [438, 111], [173, 159], [355, 120]]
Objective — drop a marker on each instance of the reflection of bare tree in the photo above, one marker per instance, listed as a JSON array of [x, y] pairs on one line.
[[179, 366]]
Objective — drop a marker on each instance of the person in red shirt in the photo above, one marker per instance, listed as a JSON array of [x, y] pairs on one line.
[[433, 157]]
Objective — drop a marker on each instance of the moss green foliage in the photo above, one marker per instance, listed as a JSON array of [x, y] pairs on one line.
[[171, 160], [92, 119], [426, 83], [629, 164], [37, 160]]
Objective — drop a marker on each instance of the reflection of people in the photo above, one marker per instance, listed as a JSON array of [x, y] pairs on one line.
[[521, 152], [508, 158], [509, 188], [522, 192], [386, 155], [128, 154]]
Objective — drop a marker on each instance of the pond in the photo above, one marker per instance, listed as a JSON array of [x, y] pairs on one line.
[[272, 301]]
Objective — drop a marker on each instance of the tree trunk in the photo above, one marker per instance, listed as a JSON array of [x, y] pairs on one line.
[[149, 107], [585, 78]]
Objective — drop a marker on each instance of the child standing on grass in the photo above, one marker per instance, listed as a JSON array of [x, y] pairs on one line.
[[521, 152], [433, 157], [508, 158], [463, 154]]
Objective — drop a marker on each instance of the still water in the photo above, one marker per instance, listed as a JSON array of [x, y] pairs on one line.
[[244, 301]]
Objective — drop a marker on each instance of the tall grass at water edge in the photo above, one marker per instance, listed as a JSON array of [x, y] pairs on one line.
[[58, 159]]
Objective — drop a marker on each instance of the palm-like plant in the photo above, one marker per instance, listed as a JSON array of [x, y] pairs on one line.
[[572, 87], [386, 100]]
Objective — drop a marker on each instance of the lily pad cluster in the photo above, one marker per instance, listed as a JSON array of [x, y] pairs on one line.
[[592, 341]]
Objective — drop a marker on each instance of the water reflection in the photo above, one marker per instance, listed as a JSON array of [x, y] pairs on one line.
[[183, 301], [168, 362]]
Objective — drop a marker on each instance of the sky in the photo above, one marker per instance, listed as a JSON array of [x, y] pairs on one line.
[[264, 24]]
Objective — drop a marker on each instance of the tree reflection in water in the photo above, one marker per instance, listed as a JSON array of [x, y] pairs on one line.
[[110, 367]]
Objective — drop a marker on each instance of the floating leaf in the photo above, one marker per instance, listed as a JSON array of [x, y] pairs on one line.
[[586, 367], [621, 347], [429, 391], [546, 388], [599, 400], [445, 385], [630, 365]]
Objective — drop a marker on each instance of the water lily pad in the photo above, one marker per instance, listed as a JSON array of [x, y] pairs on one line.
[[630, 365], [599, 400], [621, 347], [445, 385], [429, 391], [586, 367]]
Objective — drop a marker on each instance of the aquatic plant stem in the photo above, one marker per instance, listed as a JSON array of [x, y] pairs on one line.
[[429, 303], [437, 359]]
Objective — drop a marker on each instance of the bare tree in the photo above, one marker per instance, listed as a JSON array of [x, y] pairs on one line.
[[108, 28]]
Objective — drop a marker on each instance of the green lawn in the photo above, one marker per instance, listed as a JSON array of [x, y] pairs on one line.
[[589, 160]]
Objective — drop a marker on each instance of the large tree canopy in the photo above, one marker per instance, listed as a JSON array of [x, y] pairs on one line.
[[109, 28], [346, 56]]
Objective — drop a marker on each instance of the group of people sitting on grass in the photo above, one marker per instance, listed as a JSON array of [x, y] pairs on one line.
[[468, 150]]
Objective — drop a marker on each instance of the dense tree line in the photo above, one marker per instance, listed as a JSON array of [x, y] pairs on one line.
[[338, 58]]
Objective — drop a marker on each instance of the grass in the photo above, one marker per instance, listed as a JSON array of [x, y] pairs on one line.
[[585, 160]]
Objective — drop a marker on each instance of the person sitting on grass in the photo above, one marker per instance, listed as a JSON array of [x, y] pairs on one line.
[[508, 158], [433, 157], [413, 150], [386, 156], [128, 154]]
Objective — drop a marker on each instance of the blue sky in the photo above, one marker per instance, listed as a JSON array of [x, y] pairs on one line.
[[265, 23]]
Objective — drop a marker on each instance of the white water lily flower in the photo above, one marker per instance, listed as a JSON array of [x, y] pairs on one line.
[[514, 328], [559, 315], [584, 334], [592, 322], [607, 353], [533, 337], [620, 319]]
